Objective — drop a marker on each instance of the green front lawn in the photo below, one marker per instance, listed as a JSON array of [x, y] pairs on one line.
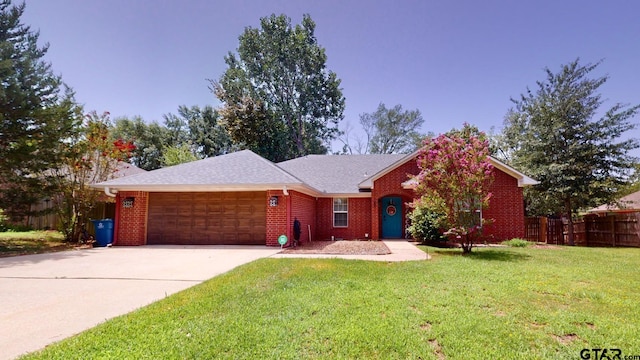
[[498, 303], [31, 242]]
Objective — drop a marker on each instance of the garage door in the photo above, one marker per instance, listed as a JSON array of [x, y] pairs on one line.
[[207, 218]]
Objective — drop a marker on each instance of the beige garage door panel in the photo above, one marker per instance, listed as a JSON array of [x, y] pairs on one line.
[[207, 218]]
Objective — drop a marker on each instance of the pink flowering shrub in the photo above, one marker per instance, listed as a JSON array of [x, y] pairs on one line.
[[454, 179]]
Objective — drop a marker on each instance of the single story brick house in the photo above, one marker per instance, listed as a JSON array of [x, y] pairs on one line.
[[242, 198]]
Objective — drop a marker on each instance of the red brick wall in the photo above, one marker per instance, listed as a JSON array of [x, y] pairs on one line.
[[131, 223], [506, 207], [359, 219], [277, 218], [391, 185], [303, 207]]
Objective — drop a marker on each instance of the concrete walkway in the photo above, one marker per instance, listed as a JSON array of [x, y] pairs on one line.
[[401, 250], [48, 297]]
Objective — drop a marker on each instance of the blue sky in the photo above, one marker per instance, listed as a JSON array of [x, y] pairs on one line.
[[455, 61]]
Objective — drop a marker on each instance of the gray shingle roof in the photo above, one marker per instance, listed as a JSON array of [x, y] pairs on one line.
[[245, 170], [625, 203], [239, 168], [126, 169], [338, 174]]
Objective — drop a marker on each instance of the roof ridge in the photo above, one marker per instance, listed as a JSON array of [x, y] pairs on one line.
[[271, 163], [297, 178]]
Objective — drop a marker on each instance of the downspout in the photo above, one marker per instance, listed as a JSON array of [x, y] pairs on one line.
[[116, 222], [288, 214], [109, 192]]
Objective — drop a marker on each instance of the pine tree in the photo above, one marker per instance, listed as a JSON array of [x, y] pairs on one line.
[[36, 114], [559, 136]]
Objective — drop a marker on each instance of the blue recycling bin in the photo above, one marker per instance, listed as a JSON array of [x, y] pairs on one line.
[[104, 231]]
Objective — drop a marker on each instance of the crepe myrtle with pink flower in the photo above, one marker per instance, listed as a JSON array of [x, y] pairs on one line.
[[454, 180]]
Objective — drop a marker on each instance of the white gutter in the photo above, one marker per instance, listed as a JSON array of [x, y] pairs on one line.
[[109, 192]]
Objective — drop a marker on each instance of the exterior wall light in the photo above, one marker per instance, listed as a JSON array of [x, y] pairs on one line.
[[128, 202], [273, 201]]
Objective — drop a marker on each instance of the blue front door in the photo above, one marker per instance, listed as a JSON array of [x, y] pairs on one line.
[[391, 208]]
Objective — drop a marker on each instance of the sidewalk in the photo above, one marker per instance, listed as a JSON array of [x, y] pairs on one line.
[[401, 250]]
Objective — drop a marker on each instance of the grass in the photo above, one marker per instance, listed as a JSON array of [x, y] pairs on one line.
[[511, 303], [31, 242]]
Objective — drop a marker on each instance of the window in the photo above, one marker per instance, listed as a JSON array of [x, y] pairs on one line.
[[471, 213], [340, 212]]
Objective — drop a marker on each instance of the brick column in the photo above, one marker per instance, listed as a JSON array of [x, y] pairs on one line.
[[132, 221], [276, 217]]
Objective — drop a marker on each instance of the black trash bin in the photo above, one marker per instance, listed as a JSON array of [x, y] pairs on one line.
[[104, 231]]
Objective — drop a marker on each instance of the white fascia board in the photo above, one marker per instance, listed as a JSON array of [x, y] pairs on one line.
[[523, 180], [302, 188], [368, 182], [345, 195], [207, 187]]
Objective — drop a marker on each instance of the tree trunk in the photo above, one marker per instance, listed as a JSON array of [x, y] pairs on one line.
[[467, 244], [569, 212]]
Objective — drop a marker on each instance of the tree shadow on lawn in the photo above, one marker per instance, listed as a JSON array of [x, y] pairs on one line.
[[485, 254]]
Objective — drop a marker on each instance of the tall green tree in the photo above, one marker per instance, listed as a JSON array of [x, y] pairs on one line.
[[178, 154], [36, 113], [278, 84], [177, 129], [560, 136], [199, 130], [251, 126], [204, 131], [149, 140], [392, 131]]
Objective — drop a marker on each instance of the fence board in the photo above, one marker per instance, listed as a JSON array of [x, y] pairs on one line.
[[555, 231], [542, 229], [532, 229], [605, 231]]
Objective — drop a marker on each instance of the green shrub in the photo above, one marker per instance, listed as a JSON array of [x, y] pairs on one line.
[[425, 224], [516, 243], [6, 226], [18, 228], [3, 221]]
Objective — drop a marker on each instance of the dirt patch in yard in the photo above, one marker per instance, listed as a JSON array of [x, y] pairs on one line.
[[566, 339], [547, 246], [343, 247], [20, 247]]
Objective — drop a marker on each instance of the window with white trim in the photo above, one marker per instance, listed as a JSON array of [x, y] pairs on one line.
[[340, 212]]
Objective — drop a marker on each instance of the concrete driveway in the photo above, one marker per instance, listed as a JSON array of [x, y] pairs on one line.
[[48, 297]]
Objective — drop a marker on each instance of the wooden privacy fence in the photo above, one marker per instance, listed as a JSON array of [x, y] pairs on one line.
[[50, 221], [611, 230], [543, 229]]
